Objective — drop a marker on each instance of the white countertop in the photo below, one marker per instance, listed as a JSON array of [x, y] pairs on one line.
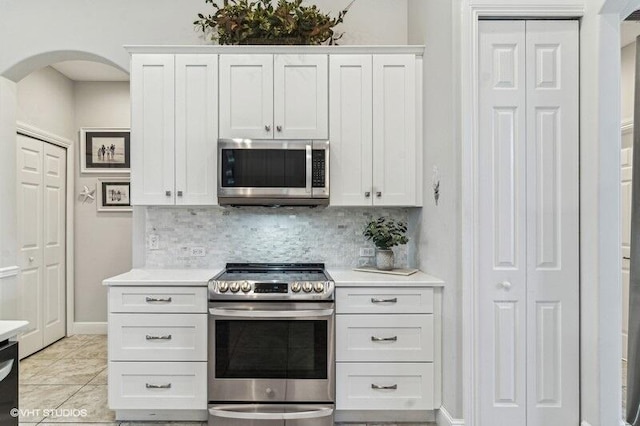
[[351, 278], [163, 277], [9, 329]]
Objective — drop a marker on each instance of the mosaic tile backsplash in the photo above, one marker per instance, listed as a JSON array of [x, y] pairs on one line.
[[332, 235]]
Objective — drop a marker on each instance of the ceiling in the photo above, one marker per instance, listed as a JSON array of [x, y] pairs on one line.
[[90, 71]]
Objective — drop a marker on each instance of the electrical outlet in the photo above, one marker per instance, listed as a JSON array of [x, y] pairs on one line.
[[154, 242], [366, 252], [198, 252]]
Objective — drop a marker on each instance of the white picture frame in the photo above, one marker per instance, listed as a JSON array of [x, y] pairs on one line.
[[113, 195], [105, 150]]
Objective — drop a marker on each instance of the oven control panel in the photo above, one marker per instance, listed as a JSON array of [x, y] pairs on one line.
[[295, 290]]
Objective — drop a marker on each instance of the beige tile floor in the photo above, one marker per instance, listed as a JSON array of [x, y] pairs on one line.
[[67, 383]]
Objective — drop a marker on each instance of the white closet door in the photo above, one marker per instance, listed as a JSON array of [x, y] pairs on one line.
[[552, 223], [351, 130], [502, 260], [30, 242], [54, 219], [196, 129]]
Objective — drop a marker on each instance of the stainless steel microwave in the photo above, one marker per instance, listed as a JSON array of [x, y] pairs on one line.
[[273, 172]]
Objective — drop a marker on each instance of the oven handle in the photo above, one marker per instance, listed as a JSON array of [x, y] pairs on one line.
[[313, 413], [246, 313]]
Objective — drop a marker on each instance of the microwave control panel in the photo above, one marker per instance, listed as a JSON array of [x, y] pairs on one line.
[[318, 168]]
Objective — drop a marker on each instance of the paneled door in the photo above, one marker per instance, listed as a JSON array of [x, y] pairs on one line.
[[625, 210], [41, 209], [527, 229]]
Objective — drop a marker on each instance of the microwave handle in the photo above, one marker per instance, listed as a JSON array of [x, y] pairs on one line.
[[308, 149]]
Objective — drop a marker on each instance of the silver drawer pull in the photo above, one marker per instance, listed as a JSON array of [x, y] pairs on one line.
[[151, 386], [377, 387], [384, 339], [158, 299], [165, 337], [376, 300]]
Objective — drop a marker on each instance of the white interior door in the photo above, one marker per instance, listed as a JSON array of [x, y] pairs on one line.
[[30, 242], [553, 341], [625, 192], [502, 260], [41, 209], [528, 241], [54, 219]]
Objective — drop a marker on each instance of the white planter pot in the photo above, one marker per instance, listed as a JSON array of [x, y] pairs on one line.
[[384, 259]]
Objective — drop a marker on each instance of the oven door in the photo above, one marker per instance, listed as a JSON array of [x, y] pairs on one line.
[[271, 352]]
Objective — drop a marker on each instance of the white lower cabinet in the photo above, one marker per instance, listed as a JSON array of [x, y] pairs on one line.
[[158, 353], [388, 353]]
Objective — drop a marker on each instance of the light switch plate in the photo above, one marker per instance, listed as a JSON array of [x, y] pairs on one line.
[[154, 242], [198, 251], [367, 252]]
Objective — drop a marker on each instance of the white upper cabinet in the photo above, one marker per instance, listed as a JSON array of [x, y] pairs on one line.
[[246, 96], [375, 155], [394, 130], [351, 130], [274, 96], [196, 129], [301, 97], [152, 129], [174, 127]]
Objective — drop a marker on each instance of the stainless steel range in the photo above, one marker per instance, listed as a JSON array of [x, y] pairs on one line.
[[271, 345]]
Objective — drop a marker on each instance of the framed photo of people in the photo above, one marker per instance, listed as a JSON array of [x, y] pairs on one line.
[[105, 150], [113, 195]]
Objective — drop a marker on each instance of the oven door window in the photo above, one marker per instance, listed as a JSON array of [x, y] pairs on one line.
[[271, 349], [264, 168]]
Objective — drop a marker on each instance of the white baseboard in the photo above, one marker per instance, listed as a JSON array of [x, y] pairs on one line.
[[89, 328], [443, 418]]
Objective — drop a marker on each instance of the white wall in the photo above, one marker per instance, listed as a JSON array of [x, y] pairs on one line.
[[627, 82], [102, 246], [101, 29], [433, 24], [102, 240]]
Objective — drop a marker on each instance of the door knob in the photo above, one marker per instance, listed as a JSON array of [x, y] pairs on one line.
[[279, 128], [167, 193], [179, 193], [367, 194], [505, 284], [378, 194], [267, 128], [31, 259]]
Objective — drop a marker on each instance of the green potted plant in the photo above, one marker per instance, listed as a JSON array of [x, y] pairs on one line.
[[385, 233], [259, 22]]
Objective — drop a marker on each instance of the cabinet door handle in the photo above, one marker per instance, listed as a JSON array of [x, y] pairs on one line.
[[158, 299], [167, 193], [165, 337], [379, 194], [267, 128], [152, 386], [376, 300], [367, 194], [384, 339], [179, 193], [279, 128], [374, 386]]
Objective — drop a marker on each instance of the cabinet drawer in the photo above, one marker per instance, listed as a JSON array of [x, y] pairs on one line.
[[158, 299], [384, 338], [384, 300], [158, 337], [407, 386], [157, 385]]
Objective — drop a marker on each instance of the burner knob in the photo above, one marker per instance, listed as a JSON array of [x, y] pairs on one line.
[[318, 287], [223, 286], [296, 287], [245, 286], [234, 286], [307, 287]]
